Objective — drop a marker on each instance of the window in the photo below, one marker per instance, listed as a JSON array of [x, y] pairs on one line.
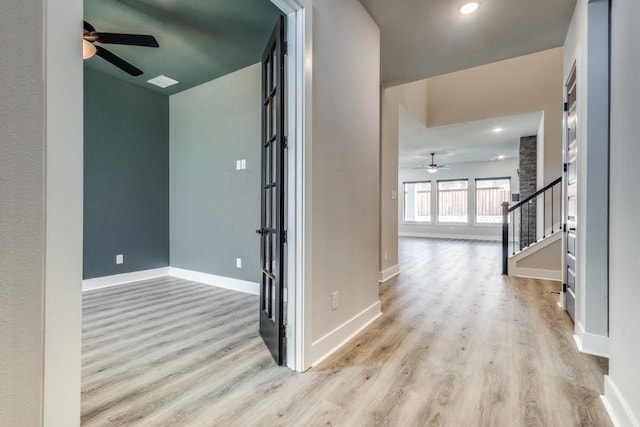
[[490, 193], [453, 201], [417, 201]]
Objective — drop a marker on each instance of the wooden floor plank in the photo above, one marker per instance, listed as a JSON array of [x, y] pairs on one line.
[[458, 345]]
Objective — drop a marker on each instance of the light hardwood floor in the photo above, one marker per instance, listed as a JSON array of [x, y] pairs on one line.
[[458, 345]]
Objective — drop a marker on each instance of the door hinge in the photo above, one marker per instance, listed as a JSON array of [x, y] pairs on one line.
[[285, 48], [284, 331], [564, 227], [285, 142], [565, 167], [564, 287], [284, 236], [566, 107]]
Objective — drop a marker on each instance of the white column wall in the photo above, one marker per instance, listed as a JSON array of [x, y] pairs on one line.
[[622, 392]]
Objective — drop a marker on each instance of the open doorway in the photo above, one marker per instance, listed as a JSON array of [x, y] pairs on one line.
[[476, 167], [175, 179]]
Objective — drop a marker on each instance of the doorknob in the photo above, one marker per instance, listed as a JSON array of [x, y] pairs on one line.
[[260, 231]]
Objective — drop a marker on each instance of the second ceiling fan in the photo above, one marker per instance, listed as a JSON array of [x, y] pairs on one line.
[[90, 36], [433, 167]]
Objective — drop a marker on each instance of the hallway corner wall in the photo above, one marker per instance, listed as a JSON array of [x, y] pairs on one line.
[[621, 386], [343, 237], [41, 213], [586, 45], [413, 98], [22, 222]]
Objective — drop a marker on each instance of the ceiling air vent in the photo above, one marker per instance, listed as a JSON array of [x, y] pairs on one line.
[[162, 81]]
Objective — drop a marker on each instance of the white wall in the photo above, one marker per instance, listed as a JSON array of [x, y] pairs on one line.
[[546, 259], [586, 46], [40, 213], [413, 97], [470, 171], [214, 208], [21, 215], [344, 193], [518, 85], [64, 213], [624, 369]]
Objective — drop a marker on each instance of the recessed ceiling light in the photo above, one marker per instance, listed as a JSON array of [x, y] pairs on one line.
[[469, 8], [498, 130], [162, 81], [501, 157]]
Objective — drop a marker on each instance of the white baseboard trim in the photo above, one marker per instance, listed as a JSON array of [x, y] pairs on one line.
[[195, 276], [597, 345], [123, 279], [389, 273], [451, 236], [616, 405], [244, 286], [535, 273], [334, 340]]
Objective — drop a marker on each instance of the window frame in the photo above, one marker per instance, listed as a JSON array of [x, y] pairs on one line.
[[404, 202], [475, 195], [437, 214]]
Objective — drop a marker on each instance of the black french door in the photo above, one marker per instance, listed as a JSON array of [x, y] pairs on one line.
[[272, 224]]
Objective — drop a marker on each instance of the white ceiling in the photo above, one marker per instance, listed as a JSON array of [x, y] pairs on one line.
[[426, 38], [462, 143]]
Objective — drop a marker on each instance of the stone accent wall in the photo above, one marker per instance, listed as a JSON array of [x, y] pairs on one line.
[[528, 174]]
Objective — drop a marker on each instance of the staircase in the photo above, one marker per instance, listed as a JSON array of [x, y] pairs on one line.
[[532, 234]]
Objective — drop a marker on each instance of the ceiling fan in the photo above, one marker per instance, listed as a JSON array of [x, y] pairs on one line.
[[90, 36], [433, 167]]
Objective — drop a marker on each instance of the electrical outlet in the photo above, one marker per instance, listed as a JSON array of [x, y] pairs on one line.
[[238, 262], [334, 300], [243, 163], [238, 165], [120, 259]]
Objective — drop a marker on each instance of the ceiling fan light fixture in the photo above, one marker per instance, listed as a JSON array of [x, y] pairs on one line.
[[88, 50], [433, 167], [469, 8]]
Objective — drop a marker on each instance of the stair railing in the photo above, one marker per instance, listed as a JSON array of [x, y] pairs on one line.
[[523, 217]]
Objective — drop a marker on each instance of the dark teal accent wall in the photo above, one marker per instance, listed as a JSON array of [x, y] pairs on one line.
[[126, 177]]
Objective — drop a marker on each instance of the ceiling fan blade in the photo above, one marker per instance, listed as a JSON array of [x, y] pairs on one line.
[[117, 61], [444, 167], [127, 39], [88, 27]]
